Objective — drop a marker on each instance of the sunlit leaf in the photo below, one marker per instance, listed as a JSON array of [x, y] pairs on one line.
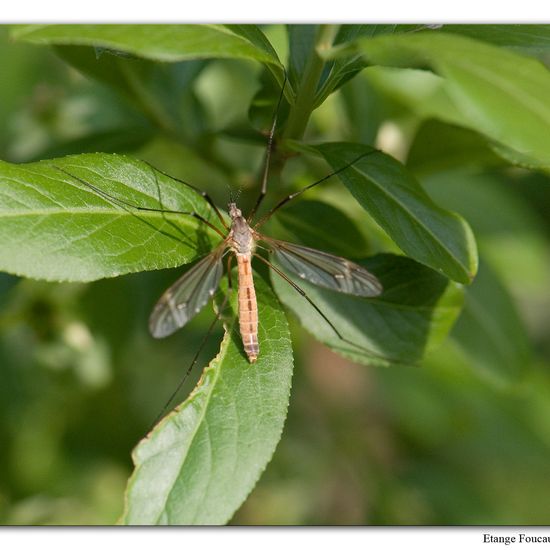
[[529, 39], [199, 464], [53, 226], [498, 92], [414, 312], [168, 43]]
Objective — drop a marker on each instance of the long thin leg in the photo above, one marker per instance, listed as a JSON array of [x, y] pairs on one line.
[[201, 345], [200, 192], [320, 312], [118, 201], [282, 202], [263, 190]]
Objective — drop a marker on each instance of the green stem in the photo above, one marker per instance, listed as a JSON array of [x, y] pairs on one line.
[[305, 94]]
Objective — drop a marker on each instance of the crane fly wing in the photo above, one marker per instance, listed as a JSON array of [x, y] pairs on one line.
[[325, 270], [187, 296]]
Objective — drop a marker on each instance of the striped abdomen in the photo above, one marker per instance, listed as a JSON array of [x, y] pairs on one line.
[[248, 308]]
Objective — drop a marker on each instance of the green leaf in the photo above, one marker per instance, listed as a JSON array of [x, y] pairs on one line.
[[162, 91], [54, 227], [520, 159], [255, 36], [199, 464], [438, 147], [491, 332], [169, 43], [415, 312], [361, 101], [158, 42], [498, 92], [301, 43], [527, 39], [426, 94], [433, 236], [420, 91]]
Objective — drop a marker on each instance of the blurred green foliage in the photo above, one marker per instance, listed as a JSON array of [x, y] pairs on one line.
[[465, 439]]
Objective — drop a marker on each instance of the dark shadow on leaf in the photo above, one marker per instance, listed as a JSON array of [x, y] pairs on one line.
[[396, 324]]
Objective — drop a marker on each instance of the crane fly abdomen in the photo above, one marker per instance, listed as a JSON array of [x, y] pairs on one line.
[[241, 241], [248, 308]]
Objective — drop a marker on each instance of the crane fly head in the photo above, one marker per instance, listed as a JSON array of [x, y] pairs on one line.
[[234, 212]]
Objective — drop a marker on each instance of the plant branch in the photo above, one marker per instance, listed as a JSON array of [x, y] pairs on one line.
[[305, 94]]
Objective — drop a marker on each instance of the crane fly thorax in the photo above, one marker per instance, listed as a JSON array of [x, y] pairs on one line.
[[241, 236]]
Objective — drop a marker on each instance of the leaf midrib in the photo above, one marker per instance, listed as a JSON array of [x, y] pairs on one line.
[[45, 212]]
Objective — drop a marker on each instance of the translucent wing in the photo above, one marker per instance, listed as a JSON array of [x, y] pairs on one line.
[[326, 270], [187, 296]]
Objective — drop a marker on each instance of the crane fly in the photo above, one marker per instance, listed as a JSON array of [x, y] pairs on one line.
[[191, 292], [187, 296]]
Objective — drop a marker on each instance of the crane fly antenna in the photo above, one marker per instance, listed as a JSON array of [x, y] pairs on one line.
[[302, 293], [122, 202], [288, 198], [201, 346], [234, 195], [263, 190]]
